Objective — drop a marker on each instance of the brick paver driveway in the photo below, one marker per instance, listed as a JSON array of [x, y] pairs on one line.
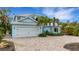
[[50, 43]]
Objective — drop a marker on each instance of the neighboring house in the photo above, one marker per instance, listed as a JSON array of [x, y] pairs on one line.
[[26, 26]]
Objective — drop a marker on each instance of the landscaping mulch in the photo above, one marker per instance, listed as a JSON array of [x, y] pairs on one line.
[[72, 46]]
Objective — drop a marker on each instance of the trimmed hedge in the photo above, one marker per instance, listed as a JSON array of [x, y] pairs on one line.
[[49, 34], [55, 34]]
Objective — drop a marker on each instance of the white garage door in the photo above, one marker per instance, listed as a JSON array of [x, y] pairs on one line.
[[28, 31]]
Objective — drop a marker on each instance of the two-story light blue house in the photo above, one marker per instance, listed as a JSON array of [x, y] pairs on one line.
[[26, 26]]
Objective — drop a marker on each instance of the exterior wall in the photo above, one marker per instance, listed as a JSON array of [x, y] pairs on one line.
[[47, 29], [51, 29], [59, 30], [13, 31]]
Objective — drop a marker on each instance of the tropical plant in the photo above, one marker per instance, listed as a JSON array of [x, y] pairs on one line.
[[4, 18], [42, 35], [1, 33], [76, 30], [4, 25], [50, 21], [69, 30], [55, 20], [43, 20]]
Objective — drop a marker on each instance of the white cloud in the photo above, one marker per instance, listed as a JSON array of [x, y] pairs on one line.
[[64, 14], [61, 13], [48, 12]]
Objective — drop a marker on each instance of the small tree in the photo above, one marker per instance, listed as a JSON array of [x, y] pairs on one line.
[[43, 20], [4, 18]]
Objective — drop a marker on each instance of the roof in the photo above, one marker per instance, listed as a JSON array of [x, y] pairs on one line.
[[28, 15], [27, 19]]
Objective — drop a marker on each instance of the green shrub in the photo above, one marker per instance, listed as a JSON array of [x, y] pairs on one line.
[[10, 32], [0, 37], [76, 30], [2, 30], [47, 33], [1, 33], [55, 34], [42, 35], [10, 29], [69, 30], [58, 34], [50, 34]]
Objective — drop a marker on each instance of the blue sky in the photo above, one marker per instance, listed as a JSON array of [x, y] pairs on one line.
[[63, 13]]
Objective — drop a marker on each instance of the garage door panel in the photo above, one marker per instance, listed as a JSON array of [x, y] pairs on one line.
[[27, 31]]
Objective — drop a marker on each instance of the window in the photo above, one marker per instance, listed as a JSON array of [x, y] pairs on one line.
[[55, 29]]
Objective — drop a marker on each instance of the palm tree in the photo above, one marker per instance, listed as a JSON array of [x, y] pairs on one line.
[[4, 18], [46, 20], [40, 20], [50, 21], [55, 20], [43, 20]]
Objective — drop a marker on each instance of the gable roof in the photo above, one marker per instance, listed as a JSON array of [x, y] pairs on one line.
[[25, 19]]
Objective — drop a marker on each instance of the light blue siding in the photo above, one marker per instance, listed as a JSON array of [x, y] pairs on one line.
[[13, 31], [51, 29], [47, 29]]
